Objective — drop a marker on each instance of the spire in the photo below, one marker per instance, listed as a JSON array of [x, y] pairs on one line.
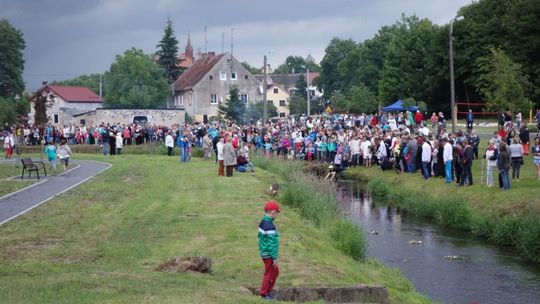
[[189, 48]]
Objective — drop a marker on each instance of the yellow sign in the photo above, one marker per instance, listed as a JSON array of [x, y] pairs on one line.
[[328, 110]]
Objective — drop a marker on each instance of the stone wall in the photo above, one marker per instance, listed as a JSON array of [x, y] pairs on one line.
[[161, 117]]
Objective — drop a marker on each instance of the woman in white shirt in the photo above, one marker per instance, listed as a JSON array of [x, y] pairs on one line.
[[119, 143]]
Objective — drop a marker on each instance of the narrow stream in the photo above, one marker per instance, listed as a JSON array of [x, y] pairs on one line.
[[482, 273]]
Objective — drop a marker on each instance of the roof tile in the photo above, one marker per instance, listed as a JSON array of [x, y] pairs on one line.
[[196, 72]]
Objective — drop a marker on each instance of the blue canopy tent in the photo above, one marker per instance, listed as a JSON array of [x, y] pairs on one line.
[[398, 106]]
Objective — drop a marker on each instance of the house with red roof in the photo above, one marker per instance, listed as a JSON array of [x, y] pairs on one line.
[[66, 102], [206, 84]]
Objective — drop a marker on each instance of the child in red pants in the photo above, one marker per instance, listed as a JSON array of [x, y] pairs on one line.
[[269, 248]]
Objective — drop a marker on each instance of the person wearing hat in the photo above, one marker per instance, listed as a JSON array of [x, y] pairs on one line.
[[269, 249]]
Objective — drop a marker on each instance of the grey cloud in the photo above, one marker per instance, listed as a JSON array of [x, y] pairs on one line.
[[68, 38]]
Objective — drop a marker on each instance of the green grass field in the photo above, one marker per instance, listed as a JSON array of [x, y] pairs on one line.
[[100, 242], [8, 186]]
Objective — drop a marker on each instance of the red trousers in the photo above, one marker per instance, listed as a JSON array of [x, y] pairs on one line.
[[525, 148], [271, 273]]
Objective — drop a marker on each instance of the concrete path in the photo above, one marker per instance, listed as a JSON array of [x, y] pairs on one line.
[[24, 200]]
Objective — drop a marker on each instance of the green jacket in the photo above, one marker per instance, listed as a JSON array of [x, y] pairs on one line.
[[268, 238]]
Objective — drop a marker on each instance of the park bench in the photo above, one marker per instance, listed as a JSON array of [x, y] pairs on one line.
[[30, 165]]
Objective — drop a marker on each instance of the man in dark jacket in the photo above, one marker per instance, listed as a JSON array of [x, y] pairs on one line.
[[470, 120], [466, 162]]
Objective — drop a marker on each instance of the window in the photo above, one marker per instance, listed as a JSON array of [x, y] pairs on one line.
[[276, 90], [270, 101], [281, 114], [222, 75], [244, 98], [282, 103], [213, 98], [210, 77], [182, 100], [55, 118], [233, 75], [246, 77]]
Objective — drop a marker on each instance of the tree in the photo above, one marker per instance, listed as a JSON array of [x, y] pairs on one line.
[[7, 111], [250, 68], [254, 111], [408, 67], [168, 54], [363, 65], [300, 89], [510, 25], [359, 99], [335, 52], [234, 108], [502, 82], [297, 105], [362, 100], [135, 81], [11, 60], [42, 101], [296, 64], [90, 81]]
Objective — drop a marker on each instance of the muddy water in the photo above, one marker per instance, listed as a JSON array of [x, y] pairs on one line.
[[480, 273]]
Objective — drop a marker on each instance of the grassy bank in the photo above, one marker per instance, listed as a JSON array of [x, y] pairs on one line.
[[315, 199], [510, 218], [8, 186], [100, 242]]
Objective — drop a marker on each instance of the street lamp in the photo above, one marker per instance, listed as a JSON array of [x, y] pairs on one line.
[[452, 86], [307, 93], [265, 100]]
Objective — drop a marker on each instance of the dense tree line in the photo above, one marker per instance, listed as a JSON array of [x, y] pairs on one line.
[[497, 59], [13, 103]]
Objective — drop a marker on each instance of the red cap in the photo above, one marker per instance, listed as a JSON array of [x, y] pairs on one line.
[[272, 205]]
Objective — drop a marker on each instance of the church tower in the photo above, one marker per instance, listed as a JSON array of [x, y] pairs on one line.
[[189, 49]]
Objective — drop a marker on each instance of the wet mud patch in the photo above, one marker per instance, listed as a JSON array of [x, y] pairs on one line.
[[200, 264]]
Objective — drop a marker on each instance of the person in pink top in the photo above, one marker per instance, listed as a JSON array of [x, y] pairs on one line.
[[285, 146]]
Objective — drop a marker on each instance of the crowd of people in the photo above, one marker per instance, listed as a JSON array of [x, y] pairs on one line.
[[406, 142]]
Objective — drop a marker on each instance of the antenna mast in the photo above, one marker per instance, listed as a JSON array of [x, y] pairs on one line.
[[205, 41], [222, 42]]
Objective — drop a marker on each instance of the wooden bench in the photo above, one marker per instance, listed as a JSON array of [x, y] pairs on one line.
[[30, 165]]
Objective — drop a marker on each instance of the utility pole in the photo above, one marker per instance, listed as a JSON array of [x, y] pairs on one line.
[[307, 92], [100, 86], [452, 85], [265, 101]]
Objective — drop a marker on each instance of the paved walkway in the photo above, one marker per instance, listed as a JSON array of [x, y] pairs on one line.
[[24, 200]]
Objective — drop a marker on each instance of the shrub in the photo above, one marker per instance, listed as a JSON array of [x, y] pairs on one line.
[[454, 213], [379, 187], [349, 239], [528, 240], [506, 231], [482, 225]]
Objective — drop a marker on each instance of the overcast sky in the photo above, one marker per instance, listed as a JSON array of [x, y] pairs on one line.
[[67, 38]]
